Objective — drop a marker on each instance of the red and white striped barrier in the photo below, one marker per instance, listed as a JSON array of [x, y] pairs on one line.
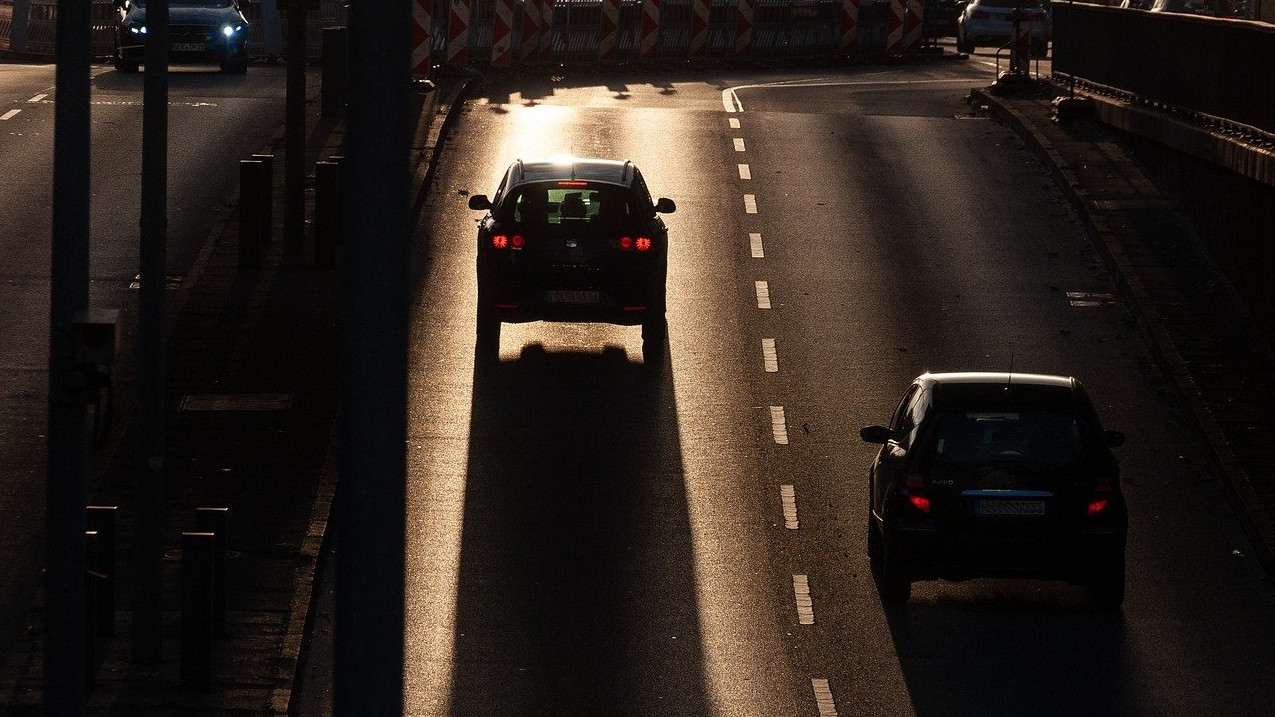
[[912, 25], [530, 32], [546, 31], [608, 30], [700, 11], [649, 41], [502, 34], [849, 26], [744, 29], [422, 42], [894, 28], [457, 32]]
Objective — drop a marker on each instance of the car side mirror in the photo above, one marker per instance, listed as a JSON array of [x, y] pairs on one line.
[[479, 201], [1113, 439], [875, 434], [665, 206]]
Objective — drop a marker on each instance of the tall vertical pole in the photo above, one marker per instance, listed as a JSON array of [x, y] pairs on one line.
[[148, 615], [370, 520], [294, 132], [65, 659]]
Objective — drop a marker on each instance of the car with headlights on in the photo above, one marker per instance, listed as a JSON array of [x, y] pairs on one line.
[[990, 23], [572, 240], [996, 475], [199, 31]]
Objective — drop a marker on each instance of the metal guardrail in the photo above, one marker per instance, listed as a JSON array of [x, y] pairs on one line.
[[1185, 63]]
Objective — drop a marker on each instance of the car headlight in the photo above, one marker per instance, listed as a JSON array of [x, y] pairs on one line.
[[231, 30], [137, 29]]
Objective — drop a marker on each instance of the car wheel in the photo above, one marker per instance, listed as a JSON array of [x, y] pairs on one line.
[[895, 585], [654, 339], [235, 65], [487, 341], [964, 45], [1107, 583], [123, 65]]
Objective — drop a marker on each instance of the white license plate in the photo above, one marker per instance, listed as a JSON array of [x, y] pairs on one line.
[[188, 47], [571, 297], [1010, 507]]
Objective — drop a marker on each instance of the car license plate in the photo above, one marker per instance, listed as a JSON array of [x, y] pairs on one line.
[[1010, 507], [188, 47], [571, 297]]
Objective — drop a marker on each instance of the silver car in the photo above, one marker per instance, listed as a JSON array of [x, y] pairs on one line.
[[990, 23]]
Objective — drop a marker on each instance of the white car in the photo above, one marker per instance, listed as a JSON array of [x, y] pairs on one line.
[[989, 23]]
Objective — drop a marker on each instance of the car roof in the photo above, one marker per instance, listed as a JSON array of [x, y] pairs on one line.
[[576, 168], [1004, 391], [999, 378]]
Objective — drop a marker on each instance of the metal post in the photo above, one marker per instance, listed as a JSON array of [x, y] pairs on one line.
[[213, 520], [327, 215], [294, 132], [63, 692], [93, 578], [368, 674], [250, 210], [101, 519], [332, 96], [267, 196], [196, 611]]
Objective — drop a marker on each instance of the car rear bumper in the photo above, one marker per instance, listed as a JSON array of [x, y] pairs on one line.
[[628, 298], [934, 555]]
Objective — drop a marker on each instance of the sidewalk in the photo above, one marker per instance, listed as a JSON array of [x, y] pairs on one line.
[[1196, 326], [251, 371]]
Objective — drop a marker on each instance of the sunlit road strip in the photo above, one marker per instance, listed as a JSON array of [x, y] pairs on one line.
[[763, 294], [823, 697], [779, 425], [732, 103], [9, 115], [805, 606], [754, 241], [769, 358], [788, 499]]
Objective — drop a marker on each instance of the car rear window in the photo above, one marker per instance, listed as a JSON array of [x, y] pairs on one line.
[[570, 202], [1042, 439]]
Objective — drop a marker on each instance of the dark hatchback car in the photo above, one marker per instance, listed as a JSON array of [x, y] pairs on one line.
[[572, 240], [199, 31], [996, 475]]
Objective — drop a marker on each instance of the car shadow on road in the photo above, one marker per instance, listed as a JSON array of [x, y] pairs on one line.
[[576, 583]]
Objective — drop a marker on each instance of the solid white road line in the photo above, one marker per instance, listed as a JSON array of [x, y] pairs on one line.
[[754, 240], [769, 358], [763, 294], [9, 115], [745, 172], [805, 606], [778, 425], [823, 697], [750, 203], [788, 498]]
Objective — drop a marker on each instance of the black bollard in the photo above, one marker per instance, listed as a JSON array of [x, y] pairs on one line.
[[196, 615], [93, 578], [332, 95], [327, 213], [267, 196], [101, 519], [213, 520], [250, 211]]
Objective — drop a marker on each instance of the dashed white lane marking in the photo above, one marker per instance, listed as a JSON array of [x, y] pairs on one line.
[[734, 123], [745, 172], [763, 294], [788, 498], [750, 204], [823, 697], [739, 144], [779, 425], [769, 358], [805, 606], [38, 97], [754, 240], [9, 115]]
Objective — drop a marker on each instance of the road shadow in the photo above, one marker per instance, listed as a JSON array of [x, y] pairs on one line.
[[576, 583], [1026, 649]]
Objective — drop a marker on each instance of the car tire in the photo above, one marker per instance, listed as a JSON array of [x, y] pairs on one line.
[[895, 584], [963, 45], [1107, 583], [235, 65], [654, 340], [875, 546], [487, 340], [122, 65]]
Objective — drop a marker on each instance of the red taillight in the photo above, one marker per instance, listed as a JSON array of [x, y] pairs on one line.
[[626, 243], [914, 489], [1097, 505], [504, 241], [643, 244], [572, 183], [631, 243], [1100, 498]]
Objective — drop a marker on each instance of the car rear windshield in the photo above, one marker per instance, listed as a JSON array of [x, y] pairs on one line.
[[1025, 4], [1041, 439], [570, 202]]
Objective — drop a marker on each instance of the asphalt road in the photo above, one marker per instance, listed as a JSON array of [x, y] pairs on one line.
[[214, 120], [586, 539]]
